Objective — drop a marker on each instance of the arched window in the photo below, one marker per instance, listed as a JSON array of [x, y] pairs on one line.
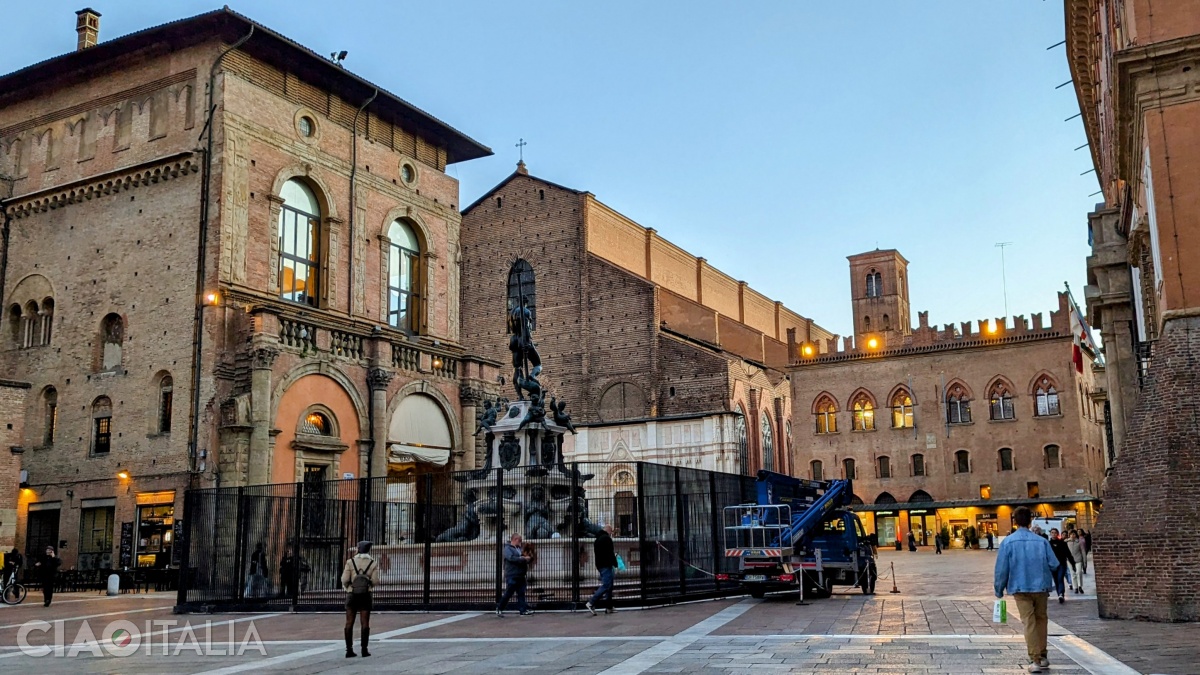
[[866, 324], [50, 403], [826, 416], [316, 423], [918, 465], [864, 414], [885, 498], [30, 327], [101, 426], [958, 405], [768, 445], [404, 261], [739, 438], [902, 410], [1001, 402], [962, 462], [112, 337], [299, 244], [622, 401], [874, 284], [920, 496], [1047, 398], [1053, 459], [1006, 459], [817, 469], [166, 397], [887, 322], [848, 469], [883, 467], [787, 450], [47, 326], [16, 323]]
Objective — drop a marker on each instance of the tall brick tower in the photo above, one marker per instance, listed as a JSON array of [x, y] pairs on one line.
[[879, 296]]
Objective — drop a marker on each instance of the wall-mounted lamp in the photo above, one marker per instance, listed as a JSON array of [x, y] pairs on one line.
[[123, 475], [437, 361], [211, 298], [873, 343], [808, 350]]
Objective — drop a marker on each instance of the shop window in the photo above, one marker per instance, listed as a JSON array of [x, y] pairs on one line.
[[902, 410], [101, 426], [918, 465], [96, 538], [155, 534], [958, 406], [962, 462], [1047, 399], [1006, 459], [166, 397], [817, 469], [50, 406], [1032, 490], [883, 467], [768, 444], [985, 491], [1052, 456], [299, 244], [848, 469], [864, 414], [826, 416], [404, 261], [1001, 402]]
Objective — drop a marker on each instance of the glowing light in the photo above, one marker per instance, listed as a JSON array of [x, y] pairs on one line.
[[437, 362], [808, 350], [123, 475], [873, 343], [991, 326], [212, 298]]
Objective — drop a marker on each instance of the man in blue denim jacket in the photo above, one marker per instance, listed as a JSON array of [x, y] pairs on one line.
[[1024, 567]]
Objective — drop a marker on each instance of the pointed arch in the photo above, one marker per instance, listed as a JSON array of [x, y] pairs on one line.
[[885, 498], [862, 408], [1043, 378], [823, 398], [1000, 394], [920, 496], [860, 393], [958, 402], [959, 386]]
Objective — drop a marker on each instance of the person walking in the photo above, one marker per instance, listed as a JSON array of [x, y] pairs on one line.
[[912, 541], [47, 572], [289, 574], [937, 543], [358, 579], [991, 541], [256, 580], [1024, 568], [1087, 548], [1075, 545], [606, 564], [1063, 554], [516, 569]]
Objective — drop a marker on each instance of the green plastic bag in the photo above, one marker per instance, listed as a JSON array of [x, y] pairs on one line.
[[620, 563]]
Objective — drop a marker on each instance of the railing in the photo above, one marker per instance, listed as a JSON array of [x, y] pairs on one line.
[[296, 334], [346, 344], [405, 357], [448, 367]]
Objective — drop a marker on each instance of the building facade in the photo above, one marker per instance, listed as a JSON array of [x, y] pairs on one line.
[[279, 304], [670, 358], [947, 428], [1136, 69]]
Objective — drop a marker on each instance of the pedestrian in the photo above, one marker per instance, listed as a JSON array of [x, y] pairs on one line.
[[256, 580], [912, 541], [358, 579], [1087, 548], [1024, 568], [1063, 554], [606, 564], [289, 574], [47, 571], [12, 565], [991, 541], [937, 544], [1075, 544], [516, 569]]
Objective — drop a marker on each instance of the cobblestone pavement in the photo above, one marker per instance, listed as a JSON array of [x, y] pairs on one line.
[[940, 622]]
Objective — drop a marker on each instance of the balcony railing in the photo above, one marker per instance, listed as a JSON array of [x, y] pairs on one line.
[[298, 334], [346, 344]]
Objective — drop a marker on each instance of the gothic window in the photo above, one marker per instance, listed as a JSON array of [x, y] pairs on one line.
[[817, 469], [1006, 459], [826, 416], [1053, 458], [1001, 402], [885, 498], [918, 465], [166, 396], [883, 467], [50, 402], [31, 325], [902, 410], [962, 462], [866, 324], [864, 414], [404, 260], [848, 469], [47, 321], [299, 244], [768, 445], [101, 426], [739, 437], [521, 281], [1047, 398], [920, 496], [622, 401], [958, 406], [874, 284], [16, 323], [887, 322], [112, 337]]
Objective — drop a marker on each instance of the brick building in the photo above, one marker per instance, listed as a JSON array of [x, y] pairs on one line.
[[949, 427], [278, 302], [1136, 69], [660, 356]]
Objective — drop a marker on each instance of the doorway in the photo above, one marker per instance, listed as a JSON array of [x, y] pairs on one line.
[[41, 531], [922, 525]]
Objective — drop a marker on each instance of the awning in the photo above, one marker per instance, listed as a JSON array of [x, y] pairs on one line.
[[403, 453]]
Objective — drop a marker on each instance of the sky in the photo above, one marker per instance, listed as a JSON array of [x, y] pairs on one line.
[[773, 138]]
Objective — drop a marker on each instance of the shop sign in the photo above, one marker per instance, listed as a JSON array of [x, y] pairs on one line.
[[917, 512], [126, 545], [885, 513], [1065, 514], [177, 543], [985, 516]]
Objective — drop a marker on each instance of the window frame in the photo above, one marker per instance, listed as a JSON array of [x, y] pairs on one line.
[[863, 411], [311, 264], [166, 402], [398, 256], [919, 456], [1047, 402], [816, 469], [959, 457], [1058, 463], [849, 468], [102, 436], [826, 416], [768, 443], [883, 467], [903, 415], [50, 421], [1001, 400], [958, 406], [1012, 461]]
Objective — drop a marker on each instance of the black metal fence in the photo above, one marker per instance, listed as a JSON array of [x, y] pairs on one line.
[[438, 537]]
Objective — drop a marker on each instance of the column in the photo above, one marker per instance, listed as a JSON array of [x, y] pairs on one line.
[[258, 469], [375, 465], [469, 398]]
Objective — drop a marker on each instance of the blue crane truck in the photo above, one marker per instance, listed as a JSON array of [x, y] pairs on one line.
[[798, 537]]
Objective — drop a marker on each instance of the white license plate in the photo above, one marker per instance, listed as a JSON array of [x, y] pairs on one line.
[[755, 577]]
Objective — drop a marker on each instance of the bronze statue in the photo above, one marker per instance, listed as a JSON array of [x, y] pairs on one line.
[[561, 417]]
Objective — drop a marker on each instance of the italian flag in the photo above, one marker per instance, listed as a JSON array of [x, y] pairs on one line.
[[1081, 335]]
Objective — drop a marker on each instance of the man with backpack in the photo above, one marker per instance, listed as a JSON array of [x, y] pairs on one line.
[[358, 578]]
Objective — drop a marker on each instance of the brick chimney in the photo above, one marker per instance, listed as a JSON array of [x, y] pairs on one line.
[[87, 24]]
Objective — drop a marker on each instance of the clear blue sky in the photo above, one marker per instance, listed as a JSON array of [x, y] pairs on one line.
[[772, 138]]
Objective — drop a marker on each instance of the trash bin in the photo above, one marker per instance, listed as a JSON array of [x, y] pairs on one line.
[[899, 547]]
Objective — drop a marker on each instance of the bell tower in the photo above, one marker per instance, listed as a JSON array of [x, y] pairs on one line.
[[879, 297]]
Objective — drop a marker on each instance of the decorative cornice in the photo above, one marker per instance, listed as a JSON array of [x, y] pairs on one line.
[[112, 182], [924, 349]]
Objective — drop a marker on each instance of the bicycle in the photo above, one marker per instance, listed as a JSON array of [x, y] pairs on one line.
[[13, 593]]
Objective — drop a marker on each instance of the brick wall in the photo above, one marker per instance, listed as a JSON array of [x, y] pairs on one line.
[[12, 422], [1147, 562]]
